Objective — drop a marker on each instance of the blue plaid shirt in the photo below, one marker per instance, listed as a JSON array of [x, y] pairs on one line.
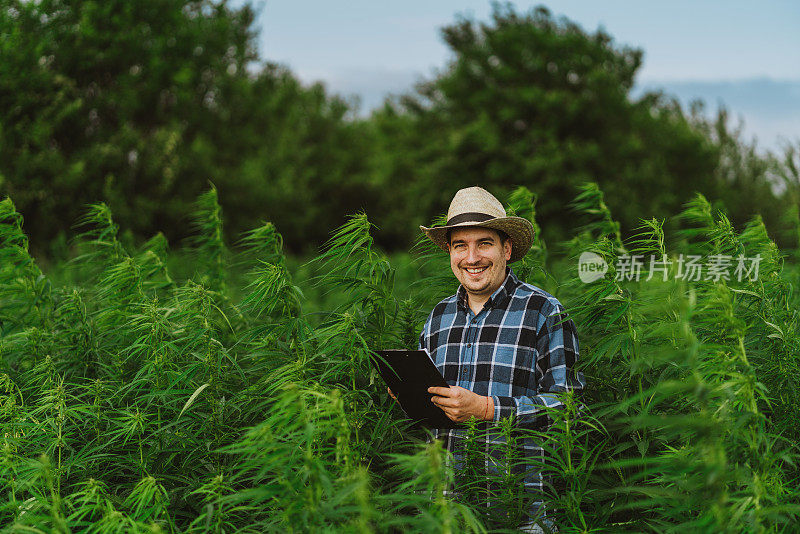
[[520, 349]]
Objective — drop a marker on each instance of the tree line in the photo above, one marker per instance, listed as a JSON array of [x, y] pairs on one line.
[[142, 103]]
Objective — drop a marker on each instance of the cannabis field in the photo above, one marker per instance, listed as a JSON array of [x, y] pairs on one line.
[[134, 399]]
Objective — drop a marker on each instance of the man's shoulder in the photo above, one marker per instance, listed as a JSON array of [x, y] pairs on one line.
[[536, 298], [446, 304]]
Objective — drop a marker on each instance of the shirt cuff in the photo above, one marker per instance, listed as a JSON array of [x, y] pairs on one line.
[[508, 407], [504, 407]]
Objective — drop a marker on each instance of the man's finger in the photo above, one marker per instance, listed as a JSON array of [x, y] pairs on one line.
[[444, 402], [442, 392]]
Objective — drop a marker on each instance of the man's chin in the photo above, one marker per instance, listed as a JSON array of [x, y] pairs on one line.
[[475, 288]]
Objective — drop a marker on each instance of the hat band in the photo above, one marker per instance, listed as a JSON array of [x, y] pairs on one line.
[[469, 217]]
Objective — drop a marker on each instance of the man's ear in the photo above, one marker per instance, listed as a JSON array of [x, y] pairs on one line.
[[507, 245]]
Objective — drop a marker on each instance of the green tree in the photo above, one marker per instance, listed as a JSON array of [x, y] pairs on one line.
[[100, 101], [292, 155], [748, 181], [140, 103], [533, 100]]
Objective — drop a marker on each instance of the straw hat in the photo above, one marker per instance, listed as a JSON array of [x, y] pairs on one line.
[[475, 206]]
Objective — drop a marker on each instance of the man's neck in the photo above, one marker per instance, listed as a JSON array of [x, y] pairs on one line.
[[476, 302]]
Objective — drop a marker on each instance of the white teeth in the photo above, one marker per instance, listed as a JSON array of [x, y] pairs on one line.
[[475, 270]]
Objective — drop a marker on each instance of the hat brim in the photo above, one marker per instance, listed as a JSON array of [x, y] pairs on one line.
[[520, 231]]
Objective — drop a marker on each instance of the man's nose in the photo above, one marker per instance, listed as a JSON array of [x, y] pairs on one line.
[[472, 255]]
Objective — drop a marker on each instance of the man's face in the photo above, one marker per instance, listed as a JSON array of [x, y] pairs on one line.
[[478, 259]]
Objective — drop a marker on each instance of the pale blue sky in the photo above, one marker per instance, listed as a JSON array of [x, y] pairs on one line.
[[372, 48]]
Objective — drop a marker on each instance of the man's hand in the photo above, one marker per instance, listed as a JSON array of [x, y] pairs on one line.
[[390, 393], [460, 404]]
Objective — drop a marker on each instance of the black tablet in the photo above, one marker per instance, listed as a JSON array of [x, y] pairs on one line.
[[409, 374]]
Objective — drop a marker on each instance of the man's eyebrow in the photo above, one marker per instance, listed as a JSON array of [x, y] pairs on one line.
[[479, 240]]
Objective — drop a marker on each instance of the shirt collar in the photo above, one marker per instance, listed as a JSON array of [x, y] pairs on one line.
[[499, 296]]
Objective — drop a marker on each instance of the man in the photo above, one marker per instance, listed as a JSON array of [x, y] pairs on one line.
[[503, 345]]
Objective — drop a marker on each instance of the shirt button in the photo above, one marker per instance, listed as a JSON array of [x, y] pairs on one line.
[[469, 345]]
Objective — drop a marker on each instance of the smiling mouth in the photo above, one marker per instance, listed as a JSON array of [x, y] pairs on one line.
[[475, 270]]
